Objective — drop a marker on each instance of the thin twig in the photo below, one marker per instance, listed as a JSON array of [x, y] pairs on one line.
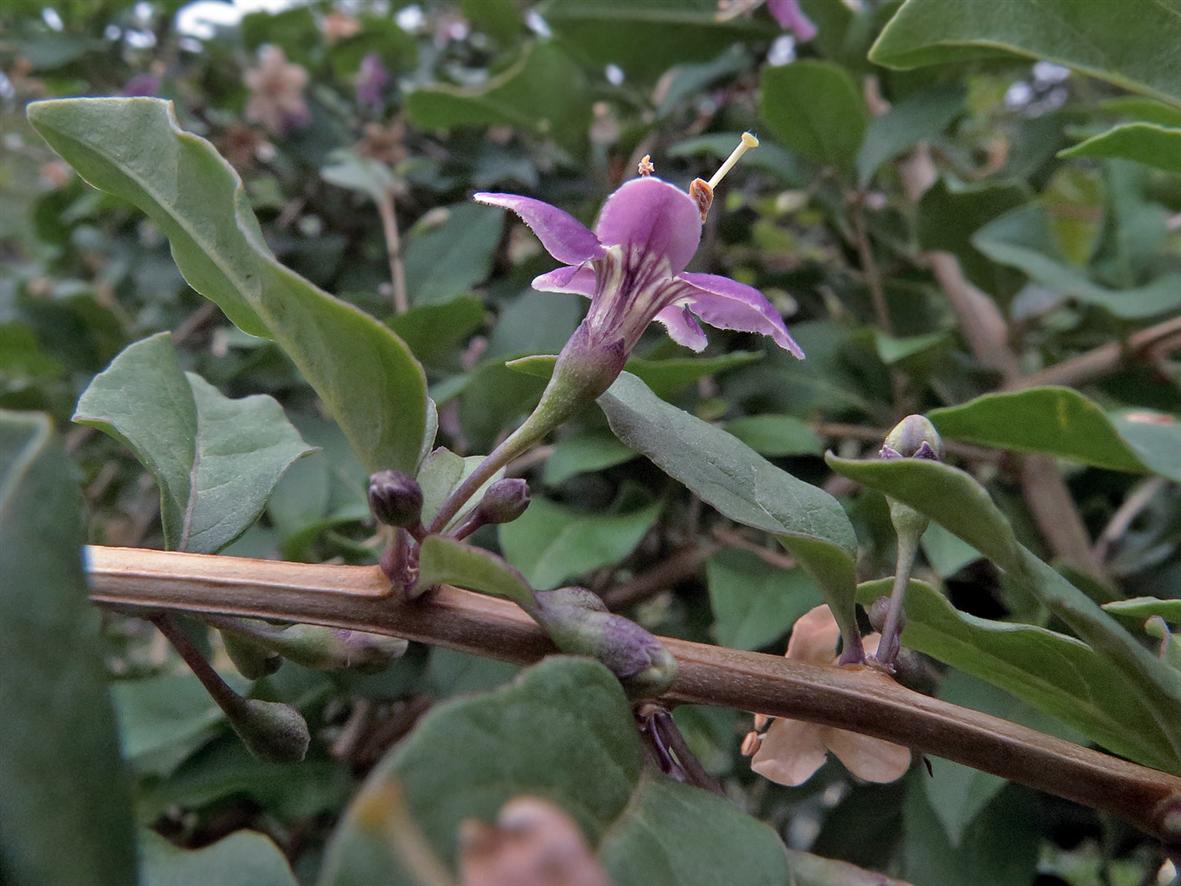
[[1127, 512], [393, 247], [853, 698], [671, 570], [1105, 359], [869, 265]]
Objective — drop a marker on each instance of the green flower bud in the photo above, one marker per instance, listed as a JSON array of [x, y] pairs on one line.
[[395, 498], [913, 437], [252, 660], [270, 730], [333, 649]]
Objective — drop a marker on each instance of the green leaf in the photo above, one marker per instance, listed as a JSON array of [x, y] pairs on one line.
[[1000, 847], [959, 793], [1023, 239], [1059, 675], [367, 378], [952, 498], [435, 332], [815, 109], [244, 858], [582, 454], [501, 19], [949, 213], [165, 719], [776, 435], [543, 93], [947, 553], [468, 757], [1062, 422], [742, 485], [920, 116], [754, 604], [646, 37], [673, 374], [216, 460], [1112, 41], [446, 261], [65, 808], [441, 472], [550, 543], [446, 561], [1140, 609], [1146, 143]]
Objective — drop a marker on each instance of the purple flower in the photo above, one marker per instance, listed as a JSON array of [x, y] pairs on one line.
[[792, 18], [142, 84], [372, 81], [632, 267]]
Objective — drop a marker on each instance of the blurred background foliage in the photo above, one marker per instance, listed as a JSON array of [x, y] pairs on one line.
[[356, 125]]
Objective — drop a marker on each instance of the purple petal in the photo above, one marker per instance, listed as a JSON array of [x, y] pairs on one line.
[[682, 327], [658, 218], [728, 304], [790, 16], [579, 279], [565, 237]]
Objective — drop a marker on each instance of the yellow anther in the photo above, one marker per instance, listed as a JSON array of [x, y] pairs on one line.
[[747, 143]]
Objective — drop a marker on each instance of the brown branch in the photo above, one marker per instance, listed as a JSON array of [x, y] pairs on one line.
[[1105, 359], [848, 698], [393, 246]]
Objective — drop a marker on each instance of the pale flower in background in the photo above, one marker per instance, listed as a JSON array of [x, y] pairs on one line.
[[786, 12], [276, 92], [791, 751]]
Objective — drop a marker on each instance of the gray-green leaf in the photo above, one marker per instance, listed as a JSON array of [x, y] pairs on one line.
[[216, 459], [729, 475], [468, 757], [368, 379], [65, 806]]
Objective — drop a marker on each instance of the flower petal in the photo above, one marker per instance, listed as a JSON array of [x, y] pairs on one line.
[[682, 327], [579, 279], [866, 757], [791, 752], [565, 237], [728, 304], [653, 216], [790, 16], [814, 636]]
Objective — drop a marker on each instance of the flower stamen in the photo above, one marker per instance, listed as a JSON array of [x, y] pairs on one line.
[[646, 166]]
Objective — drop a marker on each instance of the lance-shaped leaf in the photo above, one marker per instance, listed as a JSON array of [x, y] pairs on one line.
[[65, 805], [1053, 672], [742, 485], [956, 501], [1063, 422], [466, 758], [216, 459], [368, 379], [244, 858], [1147, 143], [1140, 609], [1113, 41]]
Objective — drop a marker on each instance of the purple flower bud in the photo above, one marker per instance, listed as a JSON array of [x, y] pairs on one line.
[[395, 498], [578, 622], [372, 81], [504, 501], [913, 437]]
